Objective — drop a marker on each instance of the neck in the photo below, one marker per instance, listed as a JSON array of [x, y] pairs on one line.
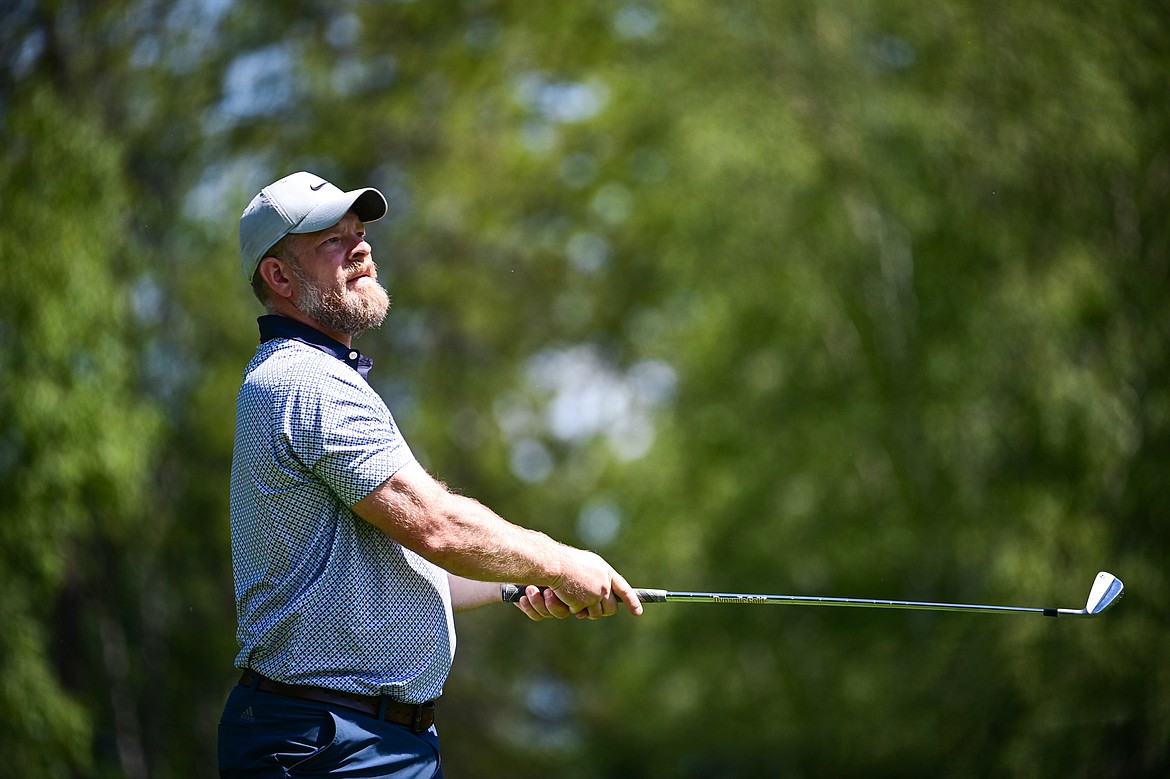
[[285, 308]]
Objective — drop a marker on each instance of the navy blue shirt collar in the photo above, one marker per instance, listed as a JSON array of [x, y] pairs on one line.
[[276, 326]]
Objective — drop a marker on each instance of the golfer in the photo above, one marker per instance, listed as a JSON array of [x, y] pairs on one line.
[[349, 558]]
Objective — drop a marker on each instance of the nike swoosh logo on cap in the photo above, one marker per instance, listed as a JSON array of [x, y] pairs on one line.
[[315, 188]]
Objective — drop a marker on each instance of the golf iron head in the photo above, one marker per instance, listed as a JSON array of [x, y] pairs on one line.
[[1107, 590]]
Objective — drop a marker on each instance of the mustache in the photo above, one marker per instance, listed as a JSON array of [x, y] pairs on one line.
[[361, 268]]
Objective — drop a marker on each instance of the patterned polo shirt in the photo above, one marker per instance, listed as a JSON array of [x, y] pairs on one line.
[[322, 597]]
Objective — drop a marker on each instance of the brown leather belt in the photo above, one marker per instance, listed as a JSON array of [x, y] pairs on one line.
[[417, 717]]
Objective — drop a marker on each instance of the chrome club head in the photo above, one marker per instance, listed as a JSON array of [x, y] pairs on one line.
[[1107, 590]]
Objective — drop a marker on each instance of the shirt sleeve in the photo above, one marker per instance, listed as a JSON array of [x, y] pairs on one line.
[[343, 432]]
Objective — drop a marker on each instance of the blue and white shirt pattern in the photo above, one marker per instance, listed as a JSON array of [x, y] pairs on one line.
[[323, 598]]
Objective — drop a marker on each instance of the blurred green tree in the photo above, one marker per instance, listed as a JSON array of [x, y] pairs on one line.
[[74, 448]]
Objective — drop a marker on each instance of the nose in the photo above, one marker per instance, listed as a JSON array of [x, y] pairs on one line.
[[361, 247]]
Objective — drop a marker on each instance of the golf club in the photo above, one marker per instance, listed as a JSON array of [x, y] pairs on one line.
[[1106, 591]]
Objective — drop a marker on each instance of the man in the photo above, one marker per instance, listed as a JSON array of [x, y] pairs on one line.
[[348, 557]]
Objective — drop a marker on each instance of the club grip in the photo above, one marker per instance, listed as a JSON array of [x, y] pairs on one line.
[[512, 593]]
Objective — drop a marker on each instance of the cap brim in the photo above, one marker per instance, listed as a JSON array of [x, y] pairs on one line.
[[368, 204]]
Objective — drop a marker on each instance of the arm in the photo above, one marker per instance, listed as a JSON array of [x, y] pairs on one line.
[[469, 594], [472, 542]]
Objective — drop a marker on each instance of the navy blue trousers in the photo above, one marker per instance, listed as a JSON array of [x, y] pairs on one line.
[[263, 735]]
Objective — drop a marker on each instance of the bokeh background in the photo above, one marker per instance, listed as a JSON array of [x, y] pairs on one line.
[[864, 299]]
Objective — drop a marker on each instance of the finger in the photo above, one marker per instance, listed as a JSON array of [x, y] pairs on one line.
[[628, 594], [536, 600], [536, 607], [529, 612], [576, 606], [609, 605], [555, 606]]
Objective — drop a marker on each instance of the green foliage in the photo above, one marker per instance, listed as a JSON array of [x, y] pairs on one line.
[[858, 299], [74, 453]]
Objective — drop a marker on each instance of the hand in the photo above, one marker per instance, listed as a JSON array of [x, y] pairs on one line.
[[591, 588], [541, 604]]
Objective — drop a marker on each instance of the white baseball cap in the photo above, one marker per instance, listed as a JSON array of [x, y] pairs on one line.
[[300, 203]]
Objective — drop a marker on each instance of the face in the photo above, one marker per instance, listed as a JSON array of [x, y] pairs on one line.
[[336, 280]]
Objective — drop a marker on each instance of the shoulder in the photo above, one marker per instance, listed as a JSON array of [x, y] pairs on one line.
[[291, 364], [289, 377]]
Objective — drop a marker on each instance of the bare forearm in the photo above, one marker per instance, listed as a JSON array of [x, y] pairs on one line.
[[460, 534], [475, 543], [470, 594]]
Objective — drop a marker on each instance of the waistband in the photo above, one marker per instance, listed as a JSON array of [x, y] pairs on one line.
[[418, 717]]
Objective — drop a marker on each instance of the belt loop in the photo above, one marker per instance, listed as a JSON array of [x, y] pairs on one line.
[[416, 720], [383, 703], [255, 681]]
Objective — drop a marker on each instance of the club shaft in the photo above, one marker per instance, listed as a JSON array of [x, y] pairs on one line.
[[512, 593], [665, 596]]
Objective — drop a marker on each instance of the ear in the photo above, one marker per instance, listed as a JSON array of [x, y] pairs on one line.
[[277, 276]]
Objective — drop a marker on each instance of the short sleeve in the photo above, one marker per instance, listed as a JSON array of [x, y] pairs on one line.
[[340, 429]]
